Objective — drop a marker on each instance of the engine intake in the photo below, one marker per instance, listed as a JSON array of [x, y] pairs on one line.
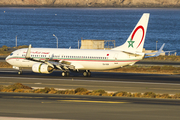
[[42, 68]]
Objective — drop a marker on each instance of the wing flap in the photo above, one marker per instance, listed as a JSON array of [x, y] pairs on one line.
[[77, 65], [65, 62]]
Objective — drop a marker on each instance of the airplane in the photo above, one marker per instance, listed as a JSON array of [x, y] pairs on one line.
[[46, 60]]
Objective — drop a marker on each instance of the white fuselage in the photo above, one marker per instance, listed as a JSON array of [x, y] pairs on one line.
[[81, 59]]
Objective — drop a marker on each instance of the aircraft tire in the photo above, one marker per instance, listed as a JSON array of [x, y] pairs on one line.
[[67, 74], [89, 74], [85, 74], [64, 74], [19, 72]]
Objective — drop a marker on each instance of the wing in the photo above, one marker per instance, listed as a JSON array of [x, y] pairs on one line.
[[61, 65]]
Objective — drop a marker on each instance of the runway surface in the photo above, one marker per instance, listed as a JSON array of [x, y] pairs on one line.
[[64, 107], [112, 82], [2, 59], [87, 107]]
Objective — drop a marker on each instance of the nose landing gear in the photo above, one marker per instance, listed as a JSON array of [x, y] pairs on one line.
[[20, 72]]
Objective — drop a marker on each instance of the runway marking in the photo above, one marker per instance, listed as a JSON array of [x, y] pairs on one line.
[[90, 101], [8, 71], [37, 83], [21, 118], [164, 88], [22, 97], [7, 82], [46, 102], [27, 97], [66, 98], [44, 79]]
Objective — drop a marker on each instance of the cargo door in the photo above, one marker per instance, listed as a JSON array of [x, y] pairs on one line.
[[116, 58]]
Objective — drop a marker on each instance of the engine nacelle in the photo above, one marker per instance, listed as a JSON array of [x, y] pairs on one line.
[[42, 68]]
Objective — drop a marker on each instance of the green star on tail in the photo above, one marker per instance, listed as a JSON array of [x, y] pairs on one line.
[[131, 43]]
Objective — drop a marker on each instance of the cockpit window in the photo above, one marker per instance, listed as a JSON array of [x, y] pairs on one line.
[[11, 54]]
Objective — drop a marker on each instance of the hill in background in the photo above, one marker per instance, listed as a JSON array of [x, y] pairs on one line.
[[91, 3]]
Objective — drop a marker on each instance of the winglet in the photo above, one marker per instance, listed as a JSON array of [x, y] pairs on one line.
[[28, 52]]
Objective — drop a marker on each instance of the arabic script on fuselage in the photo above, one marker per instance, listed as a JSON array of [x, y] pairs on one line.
[[36, 52]]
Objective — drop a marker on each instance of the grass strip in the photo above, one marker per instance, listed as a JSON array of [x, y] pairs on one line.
[[164, 58], [5, 65], [20, 88], [5, 50]]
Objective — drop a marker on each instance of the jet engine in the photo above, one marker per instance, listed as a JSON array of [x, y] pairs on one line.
[[42, 68]]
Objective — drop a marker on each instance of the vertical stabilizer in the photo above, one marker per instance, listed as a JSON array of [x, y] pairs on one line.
[[135, 42]]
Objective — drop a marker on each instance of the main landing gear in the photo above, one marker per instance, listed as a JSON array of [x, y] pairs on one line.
[[87, 73], [65, 74]]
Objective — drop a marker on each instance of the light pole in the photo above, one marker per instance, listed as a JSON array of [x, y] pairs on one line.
[[56, 39], [78, 44], [16, 41], [156, 45]]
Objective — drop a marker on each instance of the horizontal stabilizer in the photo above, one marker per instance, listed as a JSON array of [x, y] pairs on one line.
[[135, 54]]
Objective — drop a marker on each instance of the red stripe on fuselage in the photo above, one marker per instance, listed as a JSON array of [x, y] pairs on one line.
[[85, 60]]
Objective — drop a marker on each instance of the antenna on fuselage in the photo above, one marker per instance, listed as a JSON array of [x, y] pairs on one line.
[[28, 52]]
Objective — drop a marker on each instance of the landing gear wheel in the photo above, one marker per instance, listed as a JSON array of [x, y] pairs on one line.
[[89, 74], [85, 74], [65, 74], [19, 72]]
